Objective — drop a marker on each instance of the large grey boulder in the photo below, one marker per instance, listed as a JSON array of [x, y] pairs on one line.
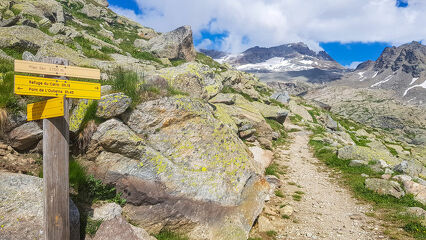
[[366, 154], [24, 37], [272, 112], [411, 168], [190, 173], [224, 98], [282, 97], [384, 187], [21, 208], [91, 11], [113, 105], [330, 123], [418, 190], [25, 136], [177, 44], [118, 229]]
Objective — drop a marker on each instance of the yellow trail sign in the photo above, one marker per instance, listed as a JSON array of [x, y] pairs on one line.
[[48, 87], [46, 109], [56, 70]]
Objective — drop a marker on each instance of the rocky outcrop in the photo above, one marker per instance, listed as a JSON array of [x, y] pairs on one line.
[[25, 136], [411, 168], [113, 105], [418, 190], [200, 181], [384, 187], [177, 44], [366, 154], [282, 97], [196, 79], [21, 208], [300, 110], [24, 37]]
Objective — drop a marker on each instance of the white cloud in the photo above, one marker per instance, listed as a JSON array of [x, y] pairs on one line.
[[274, 22], [353, 65]]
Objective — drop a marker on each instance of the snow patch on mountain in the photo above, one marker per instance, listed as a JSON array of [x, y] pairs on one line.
[[413, 81], [423, 85], [383, 81]]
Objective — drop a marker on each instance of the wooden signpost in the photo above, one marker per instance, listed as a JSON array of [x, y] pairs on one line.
[[55, 115]]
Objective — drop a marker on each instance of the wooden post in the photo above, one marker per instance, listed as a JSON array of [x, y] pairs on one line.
[[55, 176], [56, 171]]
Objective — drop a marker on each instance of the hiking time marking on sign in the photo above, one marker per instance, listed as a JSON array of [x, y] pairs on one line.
[[46, 109], [47, 87], [56, 70]]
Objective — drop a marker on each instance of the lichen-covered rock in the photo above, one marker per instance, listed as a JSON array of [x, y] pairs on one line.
[[384, 187], [25, 136], [61, 51], [189, 166], [113, 105], [21, 208], [196, 79], [78, 114], [243, 112], [300, 110], [245, 83], [228, 99], [116, 137], [272, 112], [24, 37], [91, 11], [177, 44], [366, 154]]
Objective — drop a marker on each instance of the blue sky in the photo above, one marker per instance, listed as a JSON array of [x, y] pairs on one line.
[[351, 31]]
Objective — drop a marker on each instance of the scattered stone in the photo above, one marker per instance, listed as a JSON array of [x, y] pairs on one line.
[[106, 212], [411, 168], [384, 187], [364, 175], [299, 110], [140, 43], [25, 136], [27, 56], [113, 105], [282, 97], [286, 210], [176, 44], [118, 229], [388, 171], [418, 190], [106, 89], [366, 154], [386, 176], [402, 178], [246, 133], [264, 224], [357, 163], [57, 28], [416, 211], [330, 123], [262, 157]]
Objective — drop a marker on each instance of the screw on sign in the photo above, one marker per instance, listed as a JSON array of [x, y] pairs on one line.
[[55, 115]]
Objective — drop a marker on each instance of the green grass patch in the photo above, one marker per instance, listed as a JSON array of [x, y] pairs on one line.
[[177, 62], [417, 229], [299, 192], [90, 115], [314, 115], [285, 216], [204, 59], [271, 233], [8, 99], [297, 197], [392, 150], [169, 235], [278, 193], [277, 103], [126, 82], [279, 128], [296, 118], [92, 226], [274, 169]]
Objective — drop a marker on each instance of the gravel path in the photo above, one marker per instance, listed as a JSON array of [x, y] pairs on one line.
[[326, 210]]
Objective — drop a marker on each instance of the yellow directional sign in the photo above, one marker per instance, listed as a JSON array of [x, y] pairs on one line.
[[46, 109], [47, 87], [56, 70]]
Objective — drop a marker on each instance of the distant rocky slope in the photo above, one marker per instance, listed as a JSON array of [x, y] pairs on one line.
[[285, 62], [400, 69], [183, 139]]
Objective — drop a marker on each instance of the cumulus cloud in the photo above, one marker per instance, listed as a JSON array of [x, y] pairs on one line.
[[273, 22]]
